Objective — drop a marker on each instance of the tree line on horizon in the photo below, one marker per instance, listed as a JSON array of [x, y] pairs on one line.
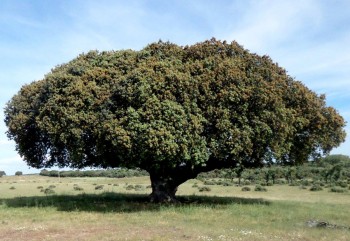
[[332, 169]]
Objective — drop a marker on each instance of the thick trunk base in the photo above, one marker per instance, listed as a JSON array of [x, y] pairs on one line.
[[163, 190], [162, 197]]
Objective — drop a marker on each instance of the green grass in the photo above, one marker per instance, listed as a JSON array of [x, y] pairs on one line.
[[114, 213]]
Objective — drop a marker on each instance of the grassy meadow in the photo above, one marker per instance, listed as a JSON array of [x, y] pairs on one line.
[[117, 209]]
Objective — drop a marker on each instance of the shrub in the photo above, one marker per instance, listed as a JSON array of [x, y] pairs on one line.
[[316, 187], [129, 187], [259, 188], [280, 182], [77, 188], [39, 187], [99, 187], [204, 189], [305, 182], [342, 184], [246, 189], [115, 184], [48, 191], [208, 182], [295, 183], [12, 188], [338, 189], [195, 185], [52, 186], [227, 184], [139, 188]]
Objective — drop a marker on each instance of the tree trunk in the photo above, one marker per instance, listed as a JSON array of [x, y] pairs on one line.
[[163, 189], [166, 181]]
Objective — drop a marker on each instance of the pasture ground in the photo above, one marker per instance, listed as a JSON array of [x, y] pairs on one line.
[[115, 213]]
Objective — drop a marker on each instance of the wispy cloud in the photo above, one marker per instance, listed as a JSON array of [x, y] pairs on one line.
[[302, 37], [267, 25]]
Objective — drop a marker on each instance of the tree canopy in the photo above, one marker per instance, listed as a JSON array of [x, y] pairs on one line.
[[174, 111]]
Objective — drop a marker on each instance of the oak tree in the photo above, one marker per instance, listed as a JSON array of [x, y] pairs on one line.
[[175, 111]]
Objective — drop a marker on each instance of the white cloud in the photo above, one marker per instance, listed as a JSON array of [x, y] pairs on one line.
[[268, 24], [303, 37]]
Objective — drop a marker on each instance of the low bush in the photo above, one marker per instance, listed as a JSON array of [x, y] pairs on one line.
[[77, 188], [204, 189], [227, 184], [280, 182], [295, 183], [338, 189], [99, 187], [12, 188], [129, 187], [209, 182], [49, 191], [139, 187], [246, 189], [259, 188], [342, 184], [315, 188], [305, 182]]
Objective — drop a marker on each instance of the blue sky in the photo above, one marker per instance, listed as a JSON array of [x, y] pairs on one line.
[[309, 38]]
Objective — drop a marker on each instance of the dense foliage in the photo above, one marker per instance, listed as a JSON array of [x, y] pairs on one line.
[[173, 111]]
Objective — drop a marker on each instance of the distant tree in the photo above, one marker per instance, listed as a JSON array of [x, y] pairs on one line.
[[238, 171], [290, 174], [44, 172], [2, 173], [332, 160], [19, 173], [173, 111]]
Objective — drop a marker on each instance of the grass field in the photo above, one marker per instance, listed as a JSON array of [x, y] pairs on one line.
[[115, 213]]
